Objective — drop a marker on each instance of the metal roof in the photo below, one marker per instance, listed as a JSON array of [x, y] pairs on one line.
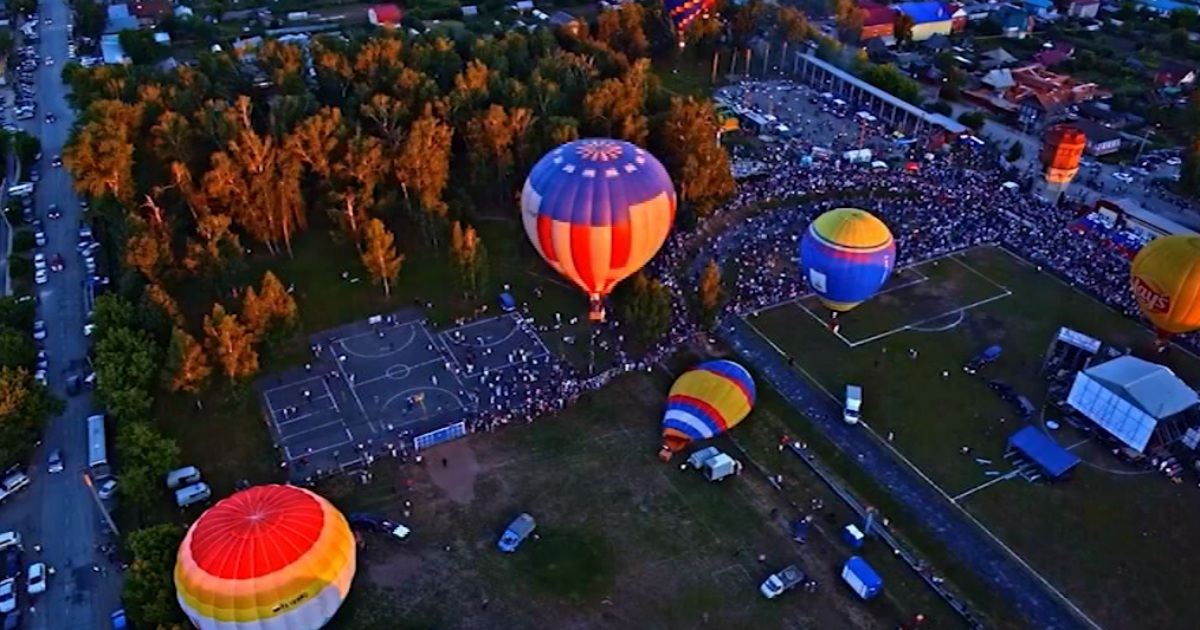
[[1053, 459], [924, 12], [931, 118], [1152, 387]]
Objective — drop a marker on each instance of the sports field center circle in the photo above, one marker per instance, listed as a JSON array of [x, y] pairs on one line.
[[406, 394], [398, 372], [959, 316]]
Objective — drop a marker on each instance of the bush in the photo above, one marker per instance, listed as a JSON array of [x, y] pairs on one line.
[[19, 266], [939, 107], [974, 120], [23, 241]]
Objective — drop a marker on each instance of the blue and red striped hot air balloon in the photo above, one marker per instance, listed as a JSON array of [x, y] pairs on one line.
[[598, 210], [682, 12], [846, 255], [705, 401]]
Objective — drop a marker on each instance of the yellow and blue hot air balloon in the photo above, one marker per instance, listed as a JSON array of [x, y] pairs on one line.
[[705, 401], [267, 558], [598, 210], [846, 255], [1165, 277]]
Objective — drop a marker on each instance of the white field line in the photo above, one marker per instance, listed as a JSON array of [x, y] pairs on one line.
[[975, 304], [990, 482]]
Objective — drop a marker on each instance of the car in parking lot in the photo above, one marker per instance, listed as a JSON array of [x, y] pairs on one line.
[[51, 119], [39, 237], [8, 596], [39, 261], [54, 462], [56, 162], [39, 330], [56, 262], [108, 489], [40, 276], [53, 212], [35, 579], [1122, 177]]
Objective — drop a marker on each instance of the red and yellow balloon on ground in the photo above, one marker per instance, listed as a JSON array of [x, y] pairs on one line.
[[1165, 277], [705, 401], [598, 210], [267, 558]]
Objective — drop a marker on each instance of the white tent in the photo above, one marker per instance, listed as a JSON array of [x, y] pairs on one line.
[[1128, 397]]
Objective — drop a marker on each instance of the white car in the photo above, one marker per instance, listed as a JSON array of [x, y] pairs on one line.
[[35, 579], [108, 489], [39, 261], [39, 330], [1174, 161], [41, 277], [8, 595], [40, 377], [49, 61], [1122, 177]]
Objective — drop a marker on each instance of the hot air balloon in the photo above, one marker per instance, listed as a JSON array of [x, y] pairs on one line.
[[1165, 277], [267, 558], [707, 400], [682, 12], [598, 210], [846, 255]]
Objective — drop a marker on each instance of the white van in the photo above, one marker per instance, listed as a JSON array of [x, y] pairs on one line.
[[185, 476], [192, 494], [9, 540]]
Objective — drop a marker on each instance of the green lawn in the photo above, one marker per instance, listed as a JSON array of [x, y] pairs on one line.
[[626, 541], [1102, 538]]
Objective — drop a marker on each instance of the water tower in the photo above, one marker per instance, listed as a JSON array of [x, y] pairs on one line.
[[1061, 151]]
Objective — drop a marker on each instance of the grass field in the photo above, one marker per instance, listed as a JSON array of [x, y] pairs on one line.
[[1112, 540], [626, 541]]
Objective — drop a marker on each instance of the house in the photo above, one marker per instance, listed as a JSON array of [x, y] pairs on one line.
[[958, 17], [385, 15], [119, 19], [929, 19], [1054, 55], [1163, 8], [878, 22], [1039, 93], [999, 79], [1100, 139], [936, 44], [1083, 9], [111, 51], [1040, 8], [1172, 74], [1014, 23], [877, 50], [151, 12], [997, 58]]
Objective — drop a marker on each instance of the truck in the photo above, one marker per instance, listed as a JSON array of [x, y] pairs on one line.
[[781, 582], [853, 404], [714, 464], [517, 531]]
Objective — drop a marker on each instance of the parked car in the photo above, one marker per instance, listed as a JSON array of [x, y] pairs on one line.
[[8, 596], [363, 521], [517, 531], [54, 462], [39, 330], [108, 489], [35, 580]]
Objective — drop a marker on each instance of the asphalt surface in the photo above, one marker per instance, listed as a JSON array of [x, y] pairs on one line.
[[970, 546], [58, 511]]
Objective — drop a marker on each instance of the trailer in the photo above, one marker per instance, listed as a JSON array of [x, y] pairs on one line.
[[863, 579]]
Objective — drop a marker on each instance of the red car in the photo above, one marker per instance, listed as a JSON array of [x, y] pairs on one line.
[[56, 263]]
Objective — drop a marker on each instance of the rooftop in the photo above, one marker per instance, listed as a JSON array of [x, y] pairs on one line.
[[1153, 388]]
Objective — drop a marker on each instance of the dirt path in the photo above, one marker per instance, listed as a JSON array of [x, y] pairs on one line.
[[452, 467]]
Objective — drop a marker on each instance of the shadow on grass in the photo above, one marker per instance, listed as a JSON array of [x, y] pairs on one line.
[[570, 564]]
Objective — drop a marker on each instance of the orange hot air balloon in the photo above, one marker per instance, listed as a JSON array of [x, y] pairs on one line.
[[598, 210], [1165, 278]]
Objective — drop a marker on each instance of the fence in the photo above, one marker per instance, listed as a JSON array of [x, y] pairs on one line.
[[444, 434]]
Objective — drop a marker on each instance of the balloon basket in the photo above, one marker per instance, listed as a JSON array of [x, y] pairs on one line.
[[665, 455], [596, 311]]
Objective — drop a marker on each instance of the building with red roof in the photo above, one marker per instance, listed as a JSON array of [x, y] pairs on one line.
[[878, 21], [385, 15], [151, 12]]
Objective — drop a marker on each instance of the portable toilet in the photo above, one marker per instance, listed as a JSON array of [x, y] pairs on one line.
[[507, 303], [853, 536], [862, 578]]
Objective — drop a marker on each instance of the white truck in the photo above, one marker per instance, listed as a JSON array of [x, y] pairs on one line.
[[714, 464], [853, 405], [779, 583]]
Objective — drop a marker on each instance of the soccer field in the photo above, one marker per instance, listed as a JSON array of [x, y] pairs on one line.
[[1110, 538]]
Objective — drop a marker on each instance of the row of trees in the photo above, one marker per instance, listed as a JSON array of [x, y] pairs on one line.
[[24, 403]]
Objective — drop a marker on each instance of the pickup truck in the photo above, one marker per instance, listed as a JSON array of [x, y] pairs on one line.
[[12, 484], [779, 583], [517, 531]]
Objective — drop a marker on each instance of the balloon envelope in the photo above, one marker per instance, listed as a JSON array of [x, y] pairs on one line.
[[1165, 277], [682, 12], [598, 210], [846, 255], [705, 401], [266, 558]]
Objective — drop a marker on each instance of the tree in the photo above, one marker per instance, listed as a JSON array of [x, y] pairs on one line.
[[18, 313], [848, 17], [793, 25], [469, 257], [698, 164], [278, 303], [27, 147], [974, 120], [187, 368], [711, 291], [16, 349], [1189, 172], [380, 257], [146, 457], [902, 28], [423, 169], [1015, 152], [141, 47], [646, 306], [127, 360], [149, 592], [231, 343], [24, 407]]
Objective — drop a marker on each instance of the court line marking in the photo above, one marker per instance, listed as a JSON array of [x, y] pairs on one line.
[[348, 382], [987, 484], [489, 343], [293, 419], [479, 372], [413, 390], [475, 323], [412, 334], [291, 385], [909, 326], [370, 332], [332, 398], [338, 422], [316, 451], [386, 377]]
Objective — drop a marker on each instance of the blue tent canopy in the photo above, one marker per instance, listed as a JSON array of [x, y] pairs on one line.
[[1053, 459]]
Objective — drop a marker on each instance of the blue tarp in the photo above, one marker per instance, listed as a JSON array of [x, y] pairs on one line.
[[924, 12], [1053, 459]]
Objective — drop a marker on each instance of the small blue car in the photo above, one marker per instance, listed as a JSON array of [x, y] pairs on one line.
[[516, 533]]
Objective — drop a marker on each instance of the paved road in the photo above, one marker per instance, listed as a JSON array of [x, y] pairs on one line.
[[1029, 598], [58, 512]]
